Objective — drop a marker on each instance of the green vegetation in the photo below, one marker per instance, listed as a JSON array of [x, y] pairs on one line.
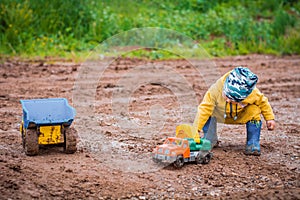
[[67, 28]]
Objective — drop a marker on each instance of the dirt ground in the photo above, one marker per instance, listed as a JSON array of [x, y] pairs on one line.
[[135, 105]]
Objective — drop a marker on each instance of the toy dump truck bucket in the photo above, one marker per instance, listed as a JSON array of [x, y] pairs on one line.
[[50, 111], [187, 131]]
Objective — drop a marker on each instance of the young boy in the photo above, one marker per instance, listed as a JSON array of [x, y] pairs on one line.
[[234, 99]]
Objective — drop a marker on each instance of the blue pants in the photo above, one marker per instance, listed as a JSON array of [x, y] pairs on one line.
[[210, 130]]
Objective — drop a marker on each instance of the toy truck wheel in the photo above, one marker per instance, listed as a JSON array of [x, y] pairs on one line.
[[207, 158], [31, 145], [70, 137], [203, 159], [199, 159], [179, 162], [156, 160]]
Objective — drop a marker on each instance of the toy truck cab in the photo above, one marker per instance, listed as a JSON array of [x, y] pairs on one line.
[[172, 149], [180, 150]]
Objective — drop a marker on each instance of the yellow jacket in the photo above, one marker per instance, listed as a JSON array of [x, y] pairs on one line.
[[213, 104]]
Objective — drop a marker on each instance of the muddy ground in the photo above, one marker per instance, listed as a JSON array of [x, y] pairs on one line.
[[135, 104]]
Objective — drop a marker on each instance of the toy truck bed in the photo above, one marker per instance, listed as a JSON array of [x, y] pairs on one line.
[[47, 112]]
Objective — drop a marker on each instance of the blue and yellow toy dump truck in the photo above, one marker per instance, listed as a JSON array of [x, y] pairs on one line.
[[47, 122]]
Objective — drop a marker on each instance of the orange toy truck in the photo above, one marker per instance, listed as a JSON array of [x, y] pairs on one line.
[[181, 150]]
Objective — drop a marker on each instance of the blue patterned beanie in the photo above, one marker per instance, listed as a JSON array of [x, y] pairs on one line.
[[239, 84]]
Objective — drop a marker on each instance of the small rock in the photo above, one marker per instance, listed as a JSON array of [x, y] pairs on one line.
[[195, 188], [69, 170]]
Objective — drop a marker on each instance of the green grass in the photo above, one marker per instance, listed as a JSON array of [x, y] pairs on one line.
[[72, 28]]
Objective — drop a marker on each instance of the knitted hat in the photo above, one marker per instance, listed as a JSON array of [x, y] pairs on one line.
[[239, 83]]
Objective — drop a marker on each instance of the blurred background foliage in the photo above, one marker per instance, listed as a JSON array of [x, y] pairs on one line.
[[222, 27]]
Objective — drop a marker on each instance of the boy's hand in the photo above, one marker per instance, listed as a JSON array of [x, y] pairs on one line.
[[271, 125]]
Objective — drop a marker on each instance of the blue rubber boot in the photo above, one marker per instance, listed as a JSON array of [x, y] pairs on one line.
[[210, 131], [253, 138]]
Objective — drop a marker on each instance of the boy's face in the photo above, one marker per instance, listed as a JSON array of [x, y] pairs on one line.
[[228, 100]]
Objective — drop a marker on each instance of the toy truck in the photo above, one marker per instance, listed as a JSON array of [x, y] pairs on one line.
[[181, 150], [47, 122]]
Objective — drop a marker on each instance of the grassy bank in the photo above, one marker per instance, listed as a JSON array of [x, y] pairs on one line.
[[71, 28]]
